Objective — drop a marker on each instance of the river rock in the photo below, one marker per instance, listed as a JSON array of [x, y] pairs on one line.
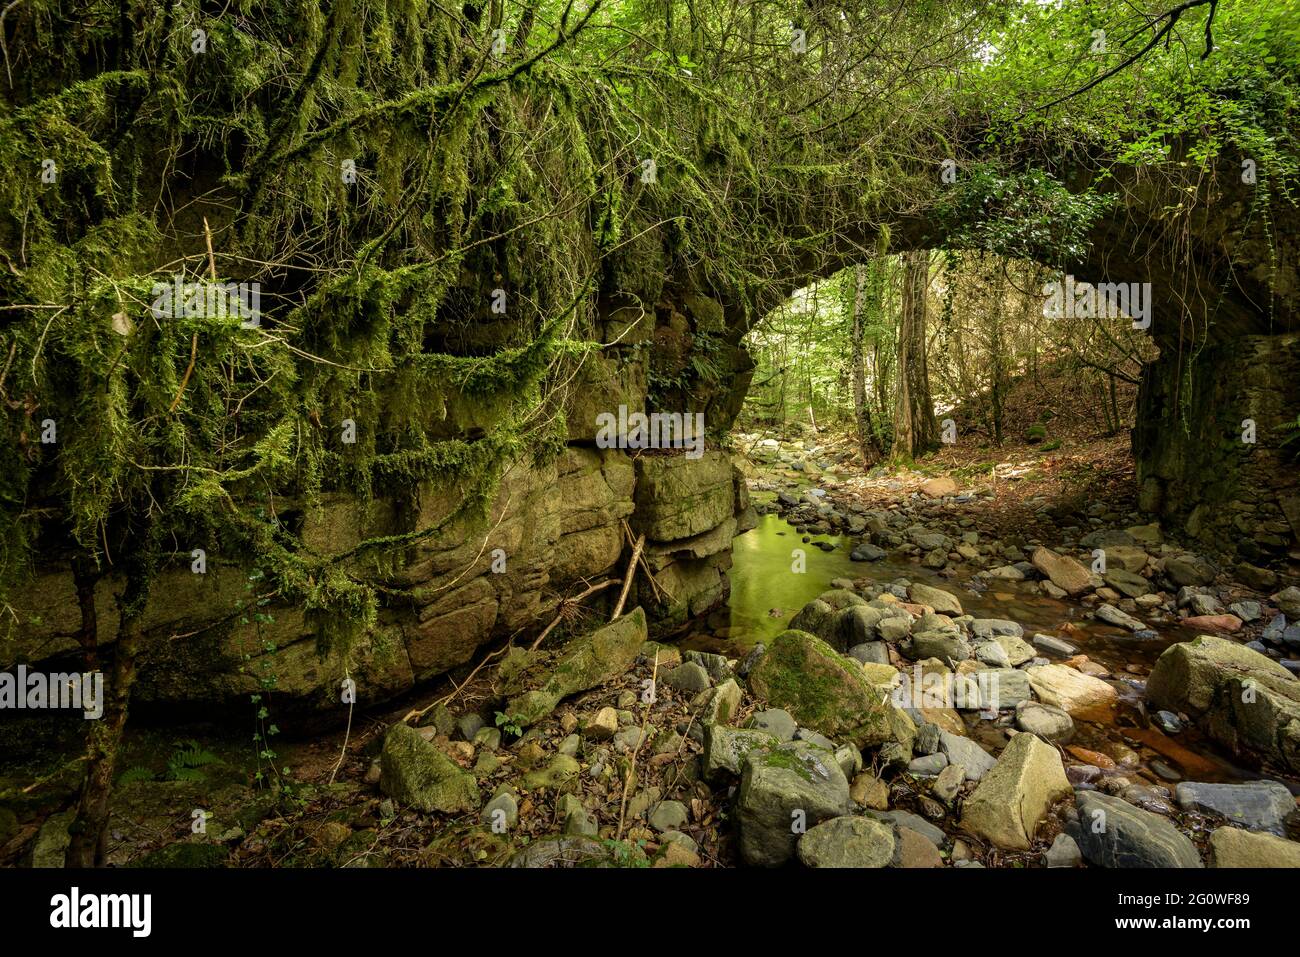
[[1257, 805], [585, 663], [914, 849], [1113, 833], [1188, 569], [725, 750], [413, 771], [1113, 616], [1055, 646], [776, 783], [1070, 690], [1016, 794], [1233, 847], [992, 654], [994, 627], [688, 678], [847, 842], [1127, 583], [1063, 572], [1288, 599], [938, 644], [965, 752], [1018, 650], [938, 599], [1064, 852], [1047, 721], [827, 692], [1244, 699], [1003, 687], [775, 722]]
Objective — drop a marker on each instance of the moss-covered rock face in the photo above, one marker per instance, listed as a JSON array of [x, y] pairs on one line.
[[828, 692], [1245, 700], [413, 771], [584, 663], [679, 497]]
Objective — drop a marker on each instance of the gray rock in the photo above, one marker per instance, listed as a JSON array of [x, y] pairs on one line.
[[938, 644], [1055, 646], [992, 654], [994, 627], [669, 816], [715, 665], [1003, 687], [871, 652], [815, 738], [1113, 616], [688, 678], [847, 842], [502, 812], [1205, 605], [962, 750], [928, 765], [1257, 806], [913, 821], [1064, 852], [469, 725], [1113, 833], [776, 722], [1168, 722], [725, 750], [1047, 721], [790, 783], [927, 738]]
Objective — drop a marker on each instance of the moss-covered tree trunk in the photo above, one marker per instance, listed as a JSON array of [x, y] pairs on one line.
[[915, 431]]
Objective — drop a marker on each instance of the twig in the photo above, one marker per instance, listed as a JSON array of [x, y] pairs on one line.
[[627, 580], [631, 771]]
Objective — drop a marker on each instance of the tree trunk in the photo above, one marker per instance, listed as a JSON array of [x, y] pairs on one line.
[[867, 438], [915, 431], [89, 829]]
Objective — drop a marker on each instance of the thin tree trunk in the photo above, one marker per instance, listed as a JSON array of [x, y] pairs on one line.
[[915, 431], [89, 829], [867, 438]]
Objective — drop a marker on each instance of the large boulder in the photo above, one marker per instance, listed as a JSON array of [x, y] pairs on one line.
[[1245, 700], [1015, 796], [1072, 691], [1113, 833], [1062, 570], [827, 692], [414, 771], [784, 791], [584, 663]]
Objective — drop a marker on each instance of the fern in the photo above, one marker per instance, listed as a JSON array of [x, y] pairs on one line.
[[136, 773], [186, 760]]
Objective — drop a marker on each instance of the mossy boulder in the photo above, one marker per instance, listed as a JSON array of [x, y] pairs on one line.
[[785, 790], [828, 692], [584, 663], [413, 771]]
